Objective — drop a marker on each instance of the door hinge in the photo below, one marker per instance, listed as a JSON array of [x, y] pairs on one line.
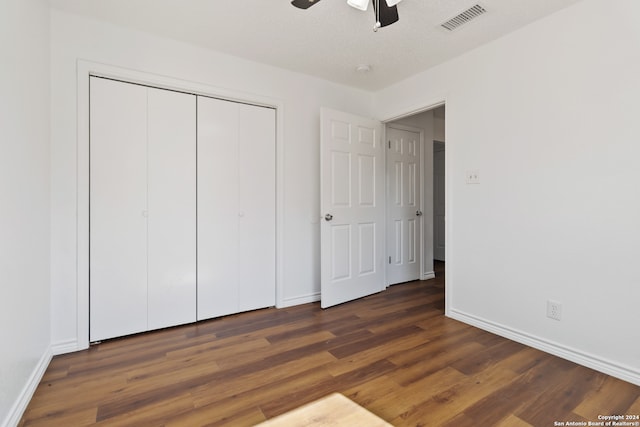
[[389, 145], [389, 260]]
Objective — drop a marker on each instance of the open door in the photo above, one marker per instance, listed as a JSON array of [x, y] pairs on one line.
[[352, 203]]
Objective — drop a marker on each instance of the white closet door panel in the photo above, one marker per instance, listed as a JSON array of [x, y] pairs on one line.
[[171, 151], [217, 208], [257, 188], [118, 251]]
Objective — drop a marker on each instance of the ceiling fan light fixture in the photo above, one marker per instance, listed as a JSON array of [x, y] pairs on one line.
[[359, 4], [391, 3]]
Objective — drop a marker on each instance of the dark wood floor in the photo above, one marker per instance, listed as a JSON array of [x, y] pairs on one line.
[[393, 353]]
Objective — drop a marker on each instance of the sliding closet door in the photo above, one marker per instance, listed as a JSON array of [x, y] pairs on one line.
[[236, 207], [118, 194], [171, 158]]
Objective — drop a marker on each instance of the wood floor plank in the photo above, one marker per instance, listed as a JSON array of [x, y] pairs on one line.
[[76, 418], [264, 384], [373, 353], [131, 414], [598, 401], [446, 404], [221, 347], [366, 393], [308, 392], [561, 397], [403, 401], [51, 400], [512, 421], [278, 397], [357, 346], [310, 326], [394, 353], [206, 416], [634, 409], [434, 360]]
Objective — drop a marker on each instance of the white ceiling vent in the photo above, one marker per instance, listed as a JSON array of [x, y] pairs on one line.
[[464, 17]]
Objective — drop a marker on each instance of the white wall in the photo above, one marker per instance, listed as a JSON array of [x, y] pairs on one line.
[[24, 201], [426, 122], [75, 37], [549, 116]]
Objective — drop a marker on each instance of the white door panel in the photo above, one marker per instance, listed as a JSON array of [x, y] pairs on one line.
[[257, 208], [218, 201], [118, 188], [352, 198], [236, 207], [172, 208], [404, 189]]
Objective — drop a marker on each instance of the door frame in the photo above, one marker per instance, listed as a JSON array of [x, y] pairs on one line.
[[434, 207], [401, 113], [88, 68], [420, 131]]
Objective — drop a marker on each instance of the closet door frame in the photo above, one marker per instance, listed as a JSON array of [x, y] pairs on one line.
[[85, 69]]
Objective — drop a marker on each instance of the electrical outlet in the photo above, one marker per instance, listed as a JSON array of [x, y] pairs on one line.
[[554, 310]]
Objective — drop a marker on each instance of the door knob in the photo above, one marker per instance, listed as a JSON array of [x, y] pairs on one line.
[[418, 213], [328, 217]]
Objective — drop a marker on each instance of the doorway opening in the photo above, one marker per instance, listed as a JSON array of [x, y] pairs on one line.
[[416, 207]]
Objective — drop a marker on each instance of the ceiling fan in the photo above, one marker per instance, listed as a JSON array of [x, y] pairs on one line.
[[385, 11]]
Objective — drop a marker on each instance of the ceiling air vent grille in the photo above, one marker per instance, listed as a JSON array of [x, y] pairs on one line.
[[464, 17]]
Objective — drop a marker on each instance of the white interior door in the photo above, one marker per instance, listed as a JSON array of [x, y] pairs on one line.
[[352, 203], [438, 201], [118, 196], [171, 223], [404, 217]]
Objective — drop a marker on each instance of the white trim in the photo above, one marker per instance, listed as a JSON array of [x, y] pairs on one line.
[[608, 367], [63, 347], [428, 275], [302, 299], [416, 110], [448, 226], [280, 204], [84, 70], [21, 403]]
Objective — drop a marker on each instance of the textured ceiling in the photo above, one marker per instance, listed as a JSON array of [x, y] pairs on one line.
[[327, 40]]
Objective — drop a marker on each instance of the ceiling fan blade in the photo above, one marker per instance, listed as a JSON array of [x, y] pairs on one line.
[[304, 4], [388, 14]]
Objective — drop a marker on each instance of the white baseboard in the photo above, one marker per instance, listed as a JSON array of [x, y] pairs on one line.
[[428, 275], [64, 347], [303, 299], [608, 367], [20, 405]]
